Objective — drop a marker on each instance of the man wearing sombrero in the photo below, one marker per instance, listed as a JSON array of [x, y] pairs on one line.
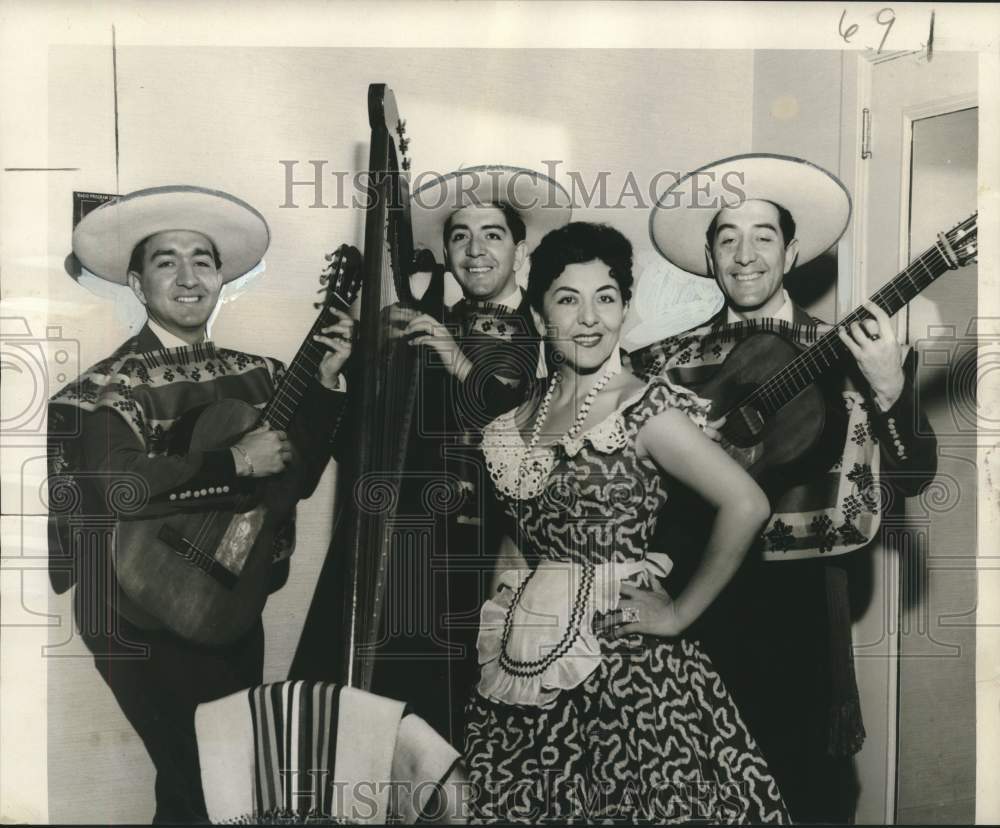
[[780, 633], [484, 220], [479, 358], [120, 424]]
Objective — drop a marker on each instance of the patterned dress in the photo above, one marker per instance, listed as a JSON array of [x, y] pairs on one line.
[[651, 734]]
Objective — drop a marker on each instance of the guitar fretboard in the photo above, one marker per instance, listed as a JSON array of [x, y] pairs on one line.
[[286, 399], [787, 383], [304, 367]]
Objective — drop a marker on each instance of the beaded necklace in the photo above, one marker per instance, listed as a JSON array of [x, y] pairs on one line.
[[581, 599], [612, 368]]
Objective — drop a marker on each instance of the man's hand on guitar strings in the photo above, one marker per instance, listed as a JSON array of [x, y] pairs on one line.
[[873, 344], [339, 340], [269, 452]]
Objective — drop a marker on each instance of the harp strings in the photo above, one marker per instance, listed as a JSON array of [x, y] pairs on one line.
[[392, 378]]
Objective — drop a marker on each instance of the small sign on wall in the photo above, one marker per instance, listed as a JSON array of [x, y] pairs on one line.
[[83, 203]]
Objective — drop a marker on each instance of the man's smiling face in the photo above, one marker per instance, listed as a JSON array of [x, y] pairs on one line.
[[750, 257], [179, 283], [482, 253]]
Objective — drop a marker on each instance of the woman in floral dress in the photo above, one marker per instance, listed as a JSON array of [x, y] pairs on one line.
[[592, 705]]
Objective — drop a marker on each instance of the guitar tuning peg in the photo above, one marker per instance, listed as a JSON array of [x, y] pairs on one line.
[[401, 128], [403, 144], [406, 164]]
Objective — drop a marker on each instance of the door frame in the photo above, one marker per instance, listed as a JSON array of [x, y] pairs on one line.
[[856, 96], [856, 93], [911, 114]]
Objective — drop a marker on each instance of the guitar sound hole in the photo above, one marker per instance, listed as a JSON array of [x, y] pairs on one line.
[[744, 427], [195, 557]]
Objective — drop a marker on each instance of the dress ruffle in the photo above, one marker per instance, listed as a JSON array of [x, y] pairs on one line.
[[522, 477], [536, 638]]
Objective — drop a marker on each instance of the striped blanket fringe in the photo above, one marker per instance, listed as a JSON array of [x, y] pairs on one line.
[[317, 753]]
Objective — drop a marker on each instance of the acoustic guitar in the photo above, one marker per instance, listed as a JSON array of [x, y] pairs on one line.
[[205, 574], [770, 390]]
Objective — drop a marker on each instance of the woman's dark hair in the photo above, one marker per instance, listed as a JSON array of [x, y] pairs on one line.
[[577, 243]]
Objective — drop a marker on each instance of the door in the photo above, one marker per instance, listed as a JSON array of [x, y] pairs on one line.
[[914, 171]]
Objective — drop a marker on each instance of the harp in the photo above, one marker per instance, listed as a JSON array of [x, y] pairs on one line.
[[340, 638]]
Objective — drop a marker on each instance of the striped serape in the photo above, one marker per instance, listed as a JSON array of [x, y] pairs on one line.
[[316, 752]]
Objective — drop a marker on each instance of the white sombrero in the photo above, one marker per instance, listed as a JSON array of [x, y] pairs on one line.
[[542, 203], [817, 200], [104, 239]]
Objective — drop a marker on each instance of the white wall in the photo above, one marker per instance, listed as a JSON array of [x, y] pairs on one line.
[[797, 112], [224, 117]]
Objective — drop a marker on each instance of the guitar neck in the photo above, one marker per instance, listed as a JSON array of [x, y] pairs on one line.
[[808, 366], [283, 405]]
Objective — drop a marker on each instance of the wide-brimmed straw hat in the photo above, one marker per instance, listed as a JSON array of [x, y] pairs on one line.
[[818, 201], [104, 239], [542, 203]]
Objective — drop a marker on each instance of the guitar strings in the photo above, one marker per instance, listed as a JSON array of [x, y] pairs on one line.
[[787, 382], [779, 389], [308, 354], [831, 343]]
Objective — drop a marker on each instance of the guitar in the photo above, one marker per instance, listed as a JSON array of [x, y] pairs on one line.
[[767, 390], [205, 575]]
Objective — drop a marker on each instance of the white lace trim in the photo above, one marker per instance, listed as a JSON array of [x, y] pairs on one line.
[[509, 463], [521, 476]]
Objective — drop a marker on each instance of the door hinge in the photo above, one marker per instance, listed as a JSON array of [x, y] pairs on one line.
[[866, 134]]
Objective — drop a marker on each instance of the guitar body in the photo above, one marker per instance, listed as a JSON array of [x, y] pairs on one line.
[[204, 571], [205, 574], [766, 445]]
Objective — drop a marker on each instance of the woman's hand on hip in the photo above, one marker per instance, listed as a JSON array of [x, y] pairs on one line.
[[647, 612]]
